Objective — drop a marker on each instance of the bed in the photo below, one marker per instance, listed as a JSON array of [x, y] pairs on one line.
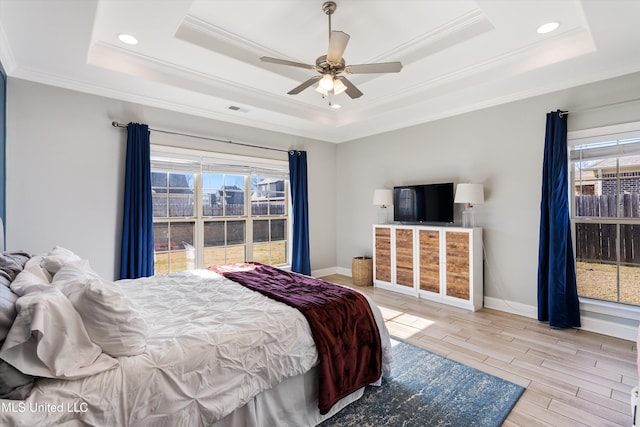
[[186, 349]]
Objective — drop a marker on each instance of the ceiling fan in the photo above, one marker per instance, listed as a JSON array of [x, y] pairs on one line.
[[331, 65]]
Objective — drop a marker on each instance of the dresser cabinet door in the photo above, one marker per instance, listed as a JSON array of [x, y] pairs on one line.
[[404, 257], [458, 277], [429, 241], [383, 254]]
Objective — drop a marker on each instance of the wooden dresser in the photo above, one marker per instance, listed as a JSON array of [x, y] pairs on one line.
[[442, 264]]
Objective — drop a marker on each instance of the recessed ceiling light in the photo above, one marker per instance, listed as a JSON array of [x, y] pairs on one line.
[[127, 39], [335, 106], [548, 27]]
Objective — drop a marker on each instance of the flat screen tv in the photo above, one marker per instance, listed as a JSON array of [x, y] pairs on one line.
[[428, 203]]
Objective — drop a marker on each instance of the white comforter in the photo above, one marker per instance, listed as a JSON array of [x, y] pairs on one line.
[[212, 346], [181, 379]]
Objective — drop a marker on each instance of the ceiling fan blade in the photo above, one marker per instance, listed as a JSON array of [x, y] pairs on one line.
[[285, 62], [381, 67], [352, 91], [337, 44], [304, 85]]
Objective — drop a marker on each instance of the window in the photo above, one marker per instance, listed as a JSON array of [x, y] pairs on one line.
[[209, 210], [173, 195], [605, 182]]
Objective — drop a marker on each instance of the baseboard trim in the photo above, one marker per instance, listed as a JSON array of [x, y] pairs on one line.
[[512, 307], [591, 324], [344, 271], [326, 272], [612, 329]]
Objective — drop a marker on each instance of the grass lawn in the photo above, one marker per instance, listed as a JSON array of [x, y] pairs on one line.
[[599, 280], [273, 253]]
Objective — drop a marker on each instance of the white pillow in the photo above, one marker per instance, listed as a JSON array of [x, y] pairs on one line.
[[48, 339], [111, 320], [27, 281], [72, 275], [33, 278], [33, 266], [56, 258]]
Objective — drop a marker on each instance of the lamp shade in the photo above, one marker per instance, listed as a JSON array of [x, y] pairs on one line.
[[326, 82], [472, 194], [338, 87], [383, 197]]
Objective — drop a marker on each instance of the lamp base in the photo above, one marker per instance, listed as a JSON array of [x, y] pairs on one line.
[[382, 215], [468, 217]]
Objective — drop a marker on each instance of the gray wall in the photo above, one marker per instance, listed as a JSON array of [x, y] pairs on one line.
[[501, 147], [65, 170]]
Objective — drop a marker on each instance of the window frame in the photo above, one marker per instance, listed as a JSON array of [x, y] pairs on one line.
[[585, 137], [230, 164]]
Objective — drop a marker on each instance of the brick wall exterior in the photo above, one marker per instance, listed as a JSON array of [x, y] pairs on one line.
[[629, 183]]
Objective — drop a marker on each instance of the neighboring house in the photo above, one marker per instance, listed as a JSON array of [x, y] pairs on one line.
[[230, 195], [228, 200], [269, 197], [586, 185], [600, 176], [179, 195], [268, 188], [172, 195], [178, 183]]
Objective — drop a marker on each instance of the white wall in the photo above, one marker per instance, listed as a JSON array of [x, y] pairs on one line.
[[65, 170], [501, 147]]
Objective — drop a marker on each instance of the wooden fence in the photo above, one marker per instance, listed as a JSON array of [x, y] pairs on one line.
[[605, 205], [597, 242]]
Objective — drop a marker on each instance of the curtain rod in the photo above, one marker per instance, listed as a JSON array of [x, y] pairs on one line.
[[122, 125], [599, 106]]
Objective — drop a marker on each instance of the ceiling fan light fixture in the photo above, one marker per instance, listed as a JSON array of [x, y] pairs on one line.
[[338, 87], [322, 91], [326, 82]]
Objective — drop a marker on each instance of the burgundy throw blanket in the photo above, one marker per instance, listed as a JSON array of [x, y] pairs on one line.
[[343, 327]]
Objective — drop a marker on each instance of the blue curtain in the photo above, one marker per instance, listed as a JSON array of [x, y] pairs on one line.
[[136, 258], [300, 262], [557, 291], [3, 162]]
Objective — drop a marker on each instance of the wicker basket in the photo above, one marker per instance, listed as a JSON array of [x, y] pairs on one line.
[[362, 271]]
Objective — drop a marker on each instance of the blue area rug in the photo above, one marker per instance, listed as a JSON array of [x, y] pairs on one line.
[[426, 389]]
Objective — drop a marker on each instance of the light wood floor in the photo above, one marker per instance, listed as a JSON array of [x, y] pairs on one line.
[[572, 377]]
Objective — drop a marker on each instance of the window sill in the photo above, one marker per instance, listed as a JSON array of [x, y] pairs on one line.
[[610, 308]]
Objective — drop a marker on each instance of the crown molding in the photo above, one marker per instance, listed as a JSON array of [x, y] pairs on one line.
[[6, 54], [171, 105], [131, 63], [461, 29]]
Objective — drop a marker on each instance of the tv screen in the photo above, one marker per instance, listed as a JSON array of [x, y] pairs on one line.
[[432, 203]]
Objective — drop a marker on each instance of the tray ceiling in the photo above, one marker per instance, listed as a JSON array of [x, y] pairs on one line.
[[202, 56]]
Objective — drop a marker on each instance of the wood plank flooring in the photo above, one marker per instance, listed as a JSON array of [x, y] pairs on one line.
[[572, 377]]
